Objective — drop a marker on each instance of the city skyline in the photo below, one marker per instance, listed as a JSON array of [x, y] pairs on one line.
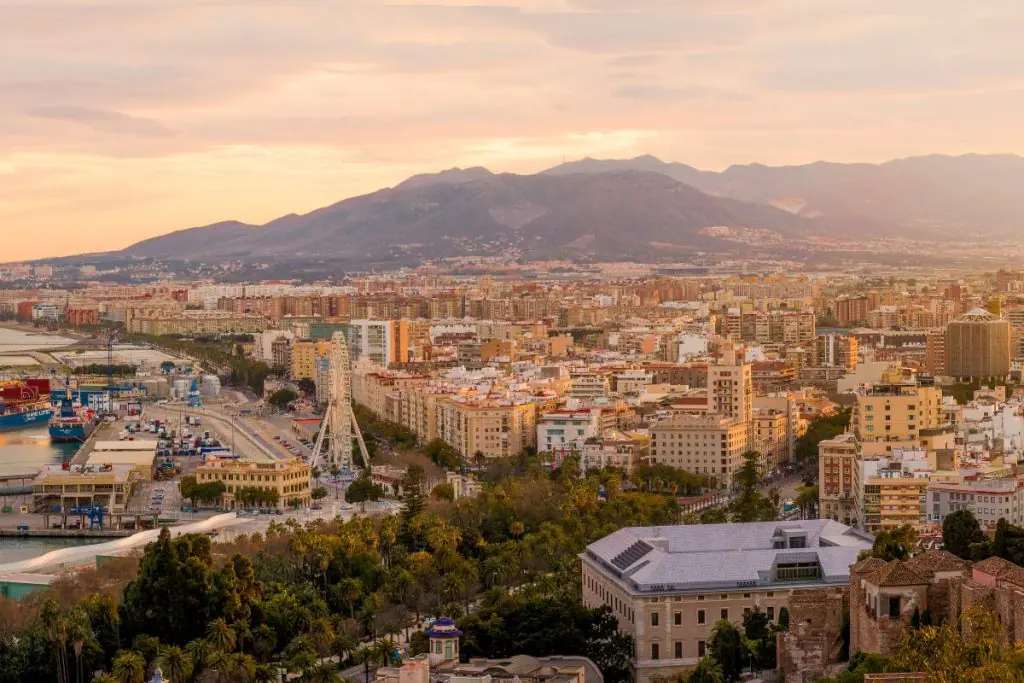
[[120, 122]]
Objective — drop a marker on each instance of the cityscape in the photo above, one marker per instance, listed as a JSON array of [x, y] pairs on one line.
[[511, 341], [680, 476]]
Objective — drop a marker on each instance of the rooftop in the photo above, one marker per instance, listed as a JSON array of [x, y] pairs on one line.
[[723, 556]]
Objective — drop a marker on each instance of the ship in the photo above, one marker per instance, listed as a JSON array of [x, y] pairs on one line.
[[73, 423], [24, 404]]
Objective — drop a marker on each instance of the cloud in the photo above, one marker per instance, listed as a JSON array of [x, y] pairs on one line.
[[253, 108], [659, 93], [103, 121]]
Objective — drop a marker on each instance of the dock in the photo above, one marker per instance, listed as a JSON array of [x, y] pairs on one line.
[[66, 533]]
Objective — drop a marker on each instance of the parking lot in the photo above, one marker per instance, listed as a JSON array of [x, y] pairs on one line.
[[146, 498]]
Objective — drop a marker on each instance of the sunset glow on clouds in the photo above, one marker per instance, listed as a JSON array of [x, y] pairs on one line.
[[122, 119]]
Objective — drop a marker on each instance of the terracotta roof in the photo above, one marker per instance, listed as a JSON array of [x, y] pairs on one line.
[[869, 564], [1013, 574], [993, 566], [897, 573], [937, 561]]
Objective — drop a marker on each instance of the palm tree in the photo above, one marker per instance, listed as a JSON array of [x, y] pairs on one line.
[[199, 650], [707, 671], [221, 636], [264, 640], [80, 633], [242, 668], [266, 673], [104, 677], [129, 667], [324, 672], [176, 663], [807, 500]]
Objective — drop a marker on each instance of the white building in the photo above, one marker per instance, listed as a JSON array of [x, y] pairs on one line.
[[373, 339], [567, 429]]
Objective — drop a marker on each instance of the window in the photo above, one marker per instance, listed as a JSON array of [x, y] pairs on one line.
[[448, 654], [678, 618], [437, 647], [700, 616], [654, 618], [725, 613], [771, 613], [894, 608], [702, 648], [654, 651], [679, 650]]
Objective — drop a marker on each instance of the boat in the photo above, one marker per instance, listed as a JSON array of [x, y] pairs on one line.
[[73, 423], [24, 403]]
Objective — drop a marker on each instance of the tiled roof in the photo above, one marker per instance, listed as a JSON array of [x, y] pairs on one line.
[[993, 566], [897, 573], [869, 564], [937, 561]]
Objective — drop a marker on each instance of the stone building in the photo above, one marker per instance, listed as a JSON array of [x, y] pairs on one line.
[[884, 597]]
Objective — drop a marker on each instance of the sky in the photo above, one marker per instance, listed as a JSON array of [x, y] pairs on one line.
[[125, 119]]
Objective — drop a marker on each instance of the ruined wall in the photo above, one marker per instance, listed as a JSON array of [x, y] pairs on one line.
[[814, 639]]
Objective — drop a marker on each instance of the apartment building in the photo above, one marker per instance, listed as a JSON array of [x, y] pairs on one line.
[[199, 322], [612, 449], [567, 429], [667, 586], [892, 492], [988, 499], [290, 479], [372, 387], [731, 386], [896, 410], [304, 355], [837, 483], [495, 428], [588, 387], [836, 351], [772, 439], [373, 339], [711, 445]]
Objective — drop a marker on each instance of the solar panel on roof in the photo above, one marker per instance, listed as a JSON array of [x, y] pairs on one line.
[[631, 554]]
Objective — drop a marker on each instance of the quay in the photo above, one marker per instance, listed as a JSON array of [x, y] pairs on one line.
[[65, 533]]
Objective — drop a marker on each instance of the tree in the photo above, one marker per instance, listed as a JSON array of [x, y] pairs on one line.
[[807, 500], [707, 671], [282, 398], [412, 497], [726, 647], [363, 489], [176, 663], [444, 491], [307, 386], [443, 454], [220, 635], [893, 544], [129, 667], [750, 505], [959, 530], [319, 493]]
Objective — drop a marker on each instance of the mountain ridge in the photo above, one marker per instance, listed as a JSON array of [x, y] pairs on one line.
[[639, 208]]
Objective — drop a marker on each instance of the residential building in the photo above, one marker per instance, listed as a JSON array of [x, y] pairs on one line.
[[771, 439], [837, 484], [935, 353], [612, 449], [373, 339], [896, 410], [731, 387], [836, 351], [667, 586], [566, 430], [711, 445], [289, 479], [495, 428], [588, 387], [978, 346], [892, 492], [988, 499], [304, 356]]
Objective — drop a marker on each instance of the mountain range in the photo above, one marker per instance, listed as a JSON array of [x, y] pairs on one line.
[[641, 208]]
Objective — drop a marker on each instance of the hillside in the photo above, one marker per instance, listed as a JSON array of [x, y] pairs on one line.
[[605, 216], [937, 197]]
